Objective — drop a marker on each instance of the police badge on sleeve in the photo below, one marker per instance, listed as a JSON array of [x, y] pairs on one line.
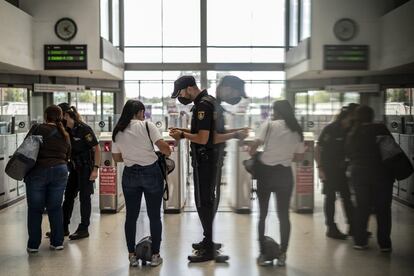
[[89, 137], [200, 115]]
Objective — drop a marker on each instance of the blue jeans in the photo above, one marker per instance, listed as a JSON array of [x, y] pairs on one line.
[[147, 180], [44, 188]]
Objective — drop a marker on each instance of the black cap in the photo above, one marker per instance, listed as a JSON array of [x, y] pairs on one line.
[[64, 106], [182, 83], [233, 82]]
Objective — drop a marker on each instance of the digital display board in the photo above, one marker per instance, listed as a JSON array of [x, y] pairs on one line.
[[65, 57], [346, 57]]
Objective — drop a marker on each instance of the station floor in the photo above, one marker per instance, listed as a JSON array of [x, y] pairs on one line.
[[104, 252]]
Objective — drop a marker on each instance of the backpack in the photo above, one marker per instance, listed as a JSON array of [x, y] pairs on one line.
[[271, 248], [143, 250]]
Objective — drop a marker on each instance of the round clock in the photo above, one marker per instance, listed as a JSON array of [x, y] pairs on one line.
[[65, 28], [345, 29]]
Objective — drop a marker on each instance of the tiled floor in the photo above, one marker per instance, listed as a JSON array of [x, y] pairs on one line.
[[104, 253]]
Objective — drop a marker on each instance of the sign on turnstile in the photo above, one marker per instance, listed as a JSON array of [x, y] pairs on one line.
[[107, 181]]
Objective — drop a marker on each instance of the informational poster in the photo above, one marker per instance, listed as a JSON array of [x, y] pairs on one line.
[[107, 180], [305, 171]]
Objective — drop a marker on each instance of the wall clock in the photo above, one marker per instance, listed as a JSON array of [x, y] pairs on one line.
[[345, 29], [66, 29]]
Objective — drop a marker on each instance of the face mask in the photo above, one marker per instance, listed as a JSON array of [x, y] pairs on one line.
[[233, 101], [184, 100]]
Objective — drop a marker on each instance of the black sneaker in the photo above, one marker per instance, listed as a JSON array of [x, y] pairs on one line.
[[219, 258], [79, 234], [202, 255], [65, 234], [334, 233], [201, 245]]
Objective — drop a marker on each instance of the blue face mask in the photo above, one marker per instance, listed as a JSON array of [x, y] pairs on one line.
[[184, 100], [233, 101]]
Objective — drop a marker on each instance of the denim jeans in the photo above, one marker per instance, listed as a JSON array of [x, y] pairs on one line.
[[147, 180], [44, 188]]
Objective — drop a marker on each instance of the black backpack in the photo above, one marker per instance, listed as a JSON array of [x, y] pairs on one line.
[[143, 250], [271, 248]]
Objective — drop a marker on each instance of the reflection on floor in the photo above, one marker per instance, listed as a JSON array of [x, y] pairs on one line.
[[104, 253]]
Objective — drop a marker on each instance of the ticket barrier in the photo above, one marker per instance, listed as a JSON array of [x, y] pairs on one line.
[[303, 174], [111, 197], [9, 188], [178, 179], [238, 180], [406, 186]]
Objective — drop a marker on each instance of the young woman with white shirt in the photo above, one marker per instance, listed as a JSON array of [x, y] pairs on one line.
[[142, 174], [282, 138]]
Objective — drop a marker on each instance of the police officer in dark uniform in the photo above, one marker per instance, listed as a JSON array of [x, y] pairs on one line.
[[330, 157], [205, 156], [83, 170]]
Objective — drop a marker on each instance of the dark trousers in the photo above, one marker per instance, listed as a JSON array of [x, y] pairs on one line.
[[336, 181], [373, 191], [78, 182], [147, 180], [205, 183], [44, 188], [277, 179]]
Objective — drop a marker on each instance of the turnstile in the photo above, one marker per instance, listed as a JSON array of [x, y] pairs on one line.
[[406, 186], [177, 180], [238, 180], [303, 173], [111, 197]]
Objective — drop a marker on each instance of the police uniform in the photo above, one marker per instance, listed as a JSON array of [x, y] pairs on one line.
[[83, 141], [205, 162], [332, 144], [219, 124]]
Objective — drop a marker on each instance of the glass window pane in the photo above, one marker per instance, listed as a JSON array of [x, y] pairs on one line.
[[245, 55], [181, 55], [293, 25], [177, 31], [143, 22], [115, 22], [143, 55], [14, 101], [397, 101], [60, 97], [305, 18], [104, 19], [241, 22]]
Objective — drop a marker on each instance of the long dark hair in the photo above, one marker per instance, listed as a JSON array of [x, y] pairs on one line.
[[363, 114], [131, 108], [284, 110], [74, 114], [54, 114]]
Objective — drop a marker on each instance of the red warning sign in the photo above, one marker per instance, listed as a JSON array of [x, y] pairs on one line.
[[304, 180], [107, 180]]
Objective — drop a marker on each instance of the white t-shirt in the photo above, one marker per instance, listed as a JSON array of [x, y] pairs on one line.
[[280, 145], [134, 144]]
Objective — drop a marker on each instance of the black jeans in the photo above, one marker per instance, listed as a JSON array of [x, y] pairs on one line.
[[147, 180], [205, 180], [336, 181], [373, 191], [78, 182], [277, 179]]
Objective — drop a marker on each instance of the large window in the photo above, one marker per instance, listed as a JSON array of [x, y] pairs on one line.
[[399, 101], [110, 21], [245, 31], [162, 31], [299, 21]]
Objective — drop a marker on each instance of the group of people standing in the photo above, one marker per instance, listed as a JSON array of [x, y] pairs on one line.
[[349, 158], [67, 165], [346, 144]]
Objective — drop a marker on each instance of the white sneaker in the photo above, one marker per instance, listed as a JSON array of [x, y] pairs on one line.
[[32, 250], [58, 247], [281, 260], [262, 261], [156, 260], [133, 261], [360, 247]]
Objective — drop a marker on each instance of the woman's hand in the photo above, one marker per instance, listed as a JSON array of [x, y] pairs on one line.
[[94, 174]]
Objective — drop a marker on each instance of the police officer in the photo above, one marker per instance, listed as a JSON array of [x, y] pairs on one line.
[[83, 170], [205, 156], [330, 157]]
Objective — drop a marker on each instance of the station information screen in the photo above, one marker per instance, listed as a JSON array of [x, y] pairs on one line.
[[65, 57], [346, 57]]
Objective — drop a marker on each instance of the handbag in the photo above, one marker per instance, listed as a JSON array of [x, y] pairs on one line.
[[25, 156], [166, 164], [254, 164], [394, 158]]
